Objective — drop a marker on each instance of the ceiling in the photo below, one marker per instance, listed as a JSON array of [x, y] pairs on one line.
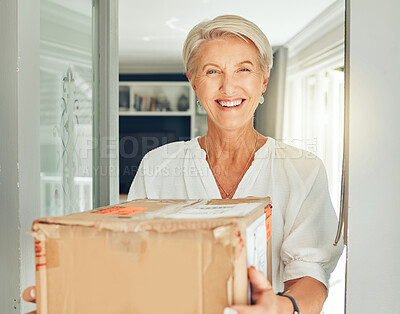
[[152, 32]]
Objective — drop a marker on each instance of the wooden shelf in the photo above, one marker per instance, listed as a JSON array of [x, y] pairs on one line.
[[169, 91], [155, 113]]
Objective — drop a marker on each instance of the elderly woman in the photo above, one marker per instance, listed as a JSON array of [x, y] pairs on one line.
[[228, 60]]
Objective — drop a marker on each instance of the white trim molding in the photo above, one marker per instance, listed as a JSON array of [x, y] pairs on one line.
[[106, 129], [331, 56], [323, 24], [20, 148], [151, 68]]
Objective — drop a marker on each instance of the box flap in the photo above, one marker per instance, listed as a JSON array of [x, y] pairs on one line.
[[164, 215]]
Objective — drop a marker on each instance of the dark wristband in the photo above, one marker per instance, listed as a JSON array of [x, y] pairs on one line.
[[295, 307]]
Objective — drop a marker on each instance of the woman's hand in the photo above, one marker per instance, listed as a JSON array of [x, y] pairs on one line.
[[264, 298], [29, 295]]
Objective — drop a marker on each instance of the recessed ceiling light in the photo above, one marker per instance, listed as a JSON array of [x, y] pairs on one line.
[[171, 24]]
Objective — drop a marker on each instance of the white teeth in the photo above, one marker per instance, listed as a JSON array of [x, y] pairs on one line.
[[230, 103]]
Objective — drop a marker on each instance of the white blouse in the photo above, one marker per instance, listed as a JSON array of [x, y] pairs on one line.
[[303, 219]]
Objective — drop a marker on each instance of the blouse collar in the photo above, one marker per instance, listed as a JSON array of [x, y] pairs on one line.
[[263, 152]]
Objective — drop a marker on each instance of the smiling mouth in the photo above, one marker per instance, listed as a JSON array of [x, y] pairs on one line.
[[230, 103]]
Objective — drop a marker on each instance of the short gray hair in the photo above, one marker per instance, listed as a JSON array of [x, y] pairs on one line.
[[226, 26]]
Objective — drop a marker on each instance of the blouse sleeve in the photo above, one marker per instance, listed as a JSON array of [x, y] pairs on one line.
[[138, 186], [307, 248]]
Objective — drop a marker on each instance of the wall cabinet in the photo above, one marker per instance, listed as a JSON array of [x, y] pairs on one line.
[[151, 114], [162, 99]]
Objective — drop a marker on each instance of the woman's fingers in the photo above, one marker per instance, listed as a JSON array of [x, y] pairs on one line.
[[237, 309], [244, 309], [29, 294], [229, 310], [261, 293], [258, 281], [259, 284]]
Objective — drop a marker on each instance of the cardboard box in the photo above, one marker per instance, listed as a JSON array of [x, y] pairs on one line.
[[152, 256]]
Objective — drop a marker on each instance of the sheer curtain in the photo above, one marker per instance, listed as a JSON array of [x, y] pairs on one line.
[[313, 117]]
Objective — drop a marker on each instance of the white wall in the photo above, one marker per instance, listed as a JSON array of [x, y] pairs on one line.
[[19, 147], [9, 235], [373, 273], [28, 135]]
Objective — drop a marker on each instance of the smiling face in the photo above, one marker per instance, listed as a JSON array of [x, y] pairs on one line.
[[229, 81]]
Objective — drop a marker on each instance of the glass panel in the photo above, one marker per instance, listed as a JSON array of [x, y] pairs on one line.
[[66, 107]]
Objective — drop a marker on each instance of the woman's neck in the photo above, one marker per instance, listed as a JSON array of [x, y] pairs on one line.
[[230, 144], [229, 154]]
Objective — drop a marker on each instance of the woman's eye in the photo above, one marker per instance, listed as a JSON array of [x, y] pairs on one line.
[[244, 70], [211, 71]]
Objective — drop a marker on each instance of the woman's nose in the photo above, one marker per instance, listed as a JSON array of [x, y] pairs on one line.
[[228, 85]]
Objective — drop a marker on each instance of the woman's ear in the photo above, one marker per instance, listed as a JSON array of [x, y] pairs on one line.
[[190, 80], [265, 83], [265, 80]]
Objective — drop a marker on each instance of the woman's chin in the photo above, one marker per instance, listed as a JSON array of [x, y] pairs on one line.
[[231, 123]]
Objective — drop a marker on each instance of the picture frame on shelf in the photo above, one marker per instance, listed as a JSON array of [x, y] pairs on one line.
[[124, 98]]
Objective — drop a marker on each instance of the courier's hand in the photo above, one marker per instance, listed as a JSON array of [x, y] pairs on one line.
[[264, 297], [29, 295]]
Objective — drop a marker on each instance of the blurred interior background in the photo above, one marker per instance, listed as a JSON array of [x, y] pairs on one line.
[[304, 101]]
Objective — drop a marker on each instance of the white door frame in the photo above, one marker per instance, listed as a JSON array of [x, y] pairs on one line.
[[20, 136], [106, 119]]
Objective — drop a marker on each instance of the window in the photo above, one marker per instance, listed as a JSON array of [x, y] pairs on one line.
[[314, 112], [314, 121]]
